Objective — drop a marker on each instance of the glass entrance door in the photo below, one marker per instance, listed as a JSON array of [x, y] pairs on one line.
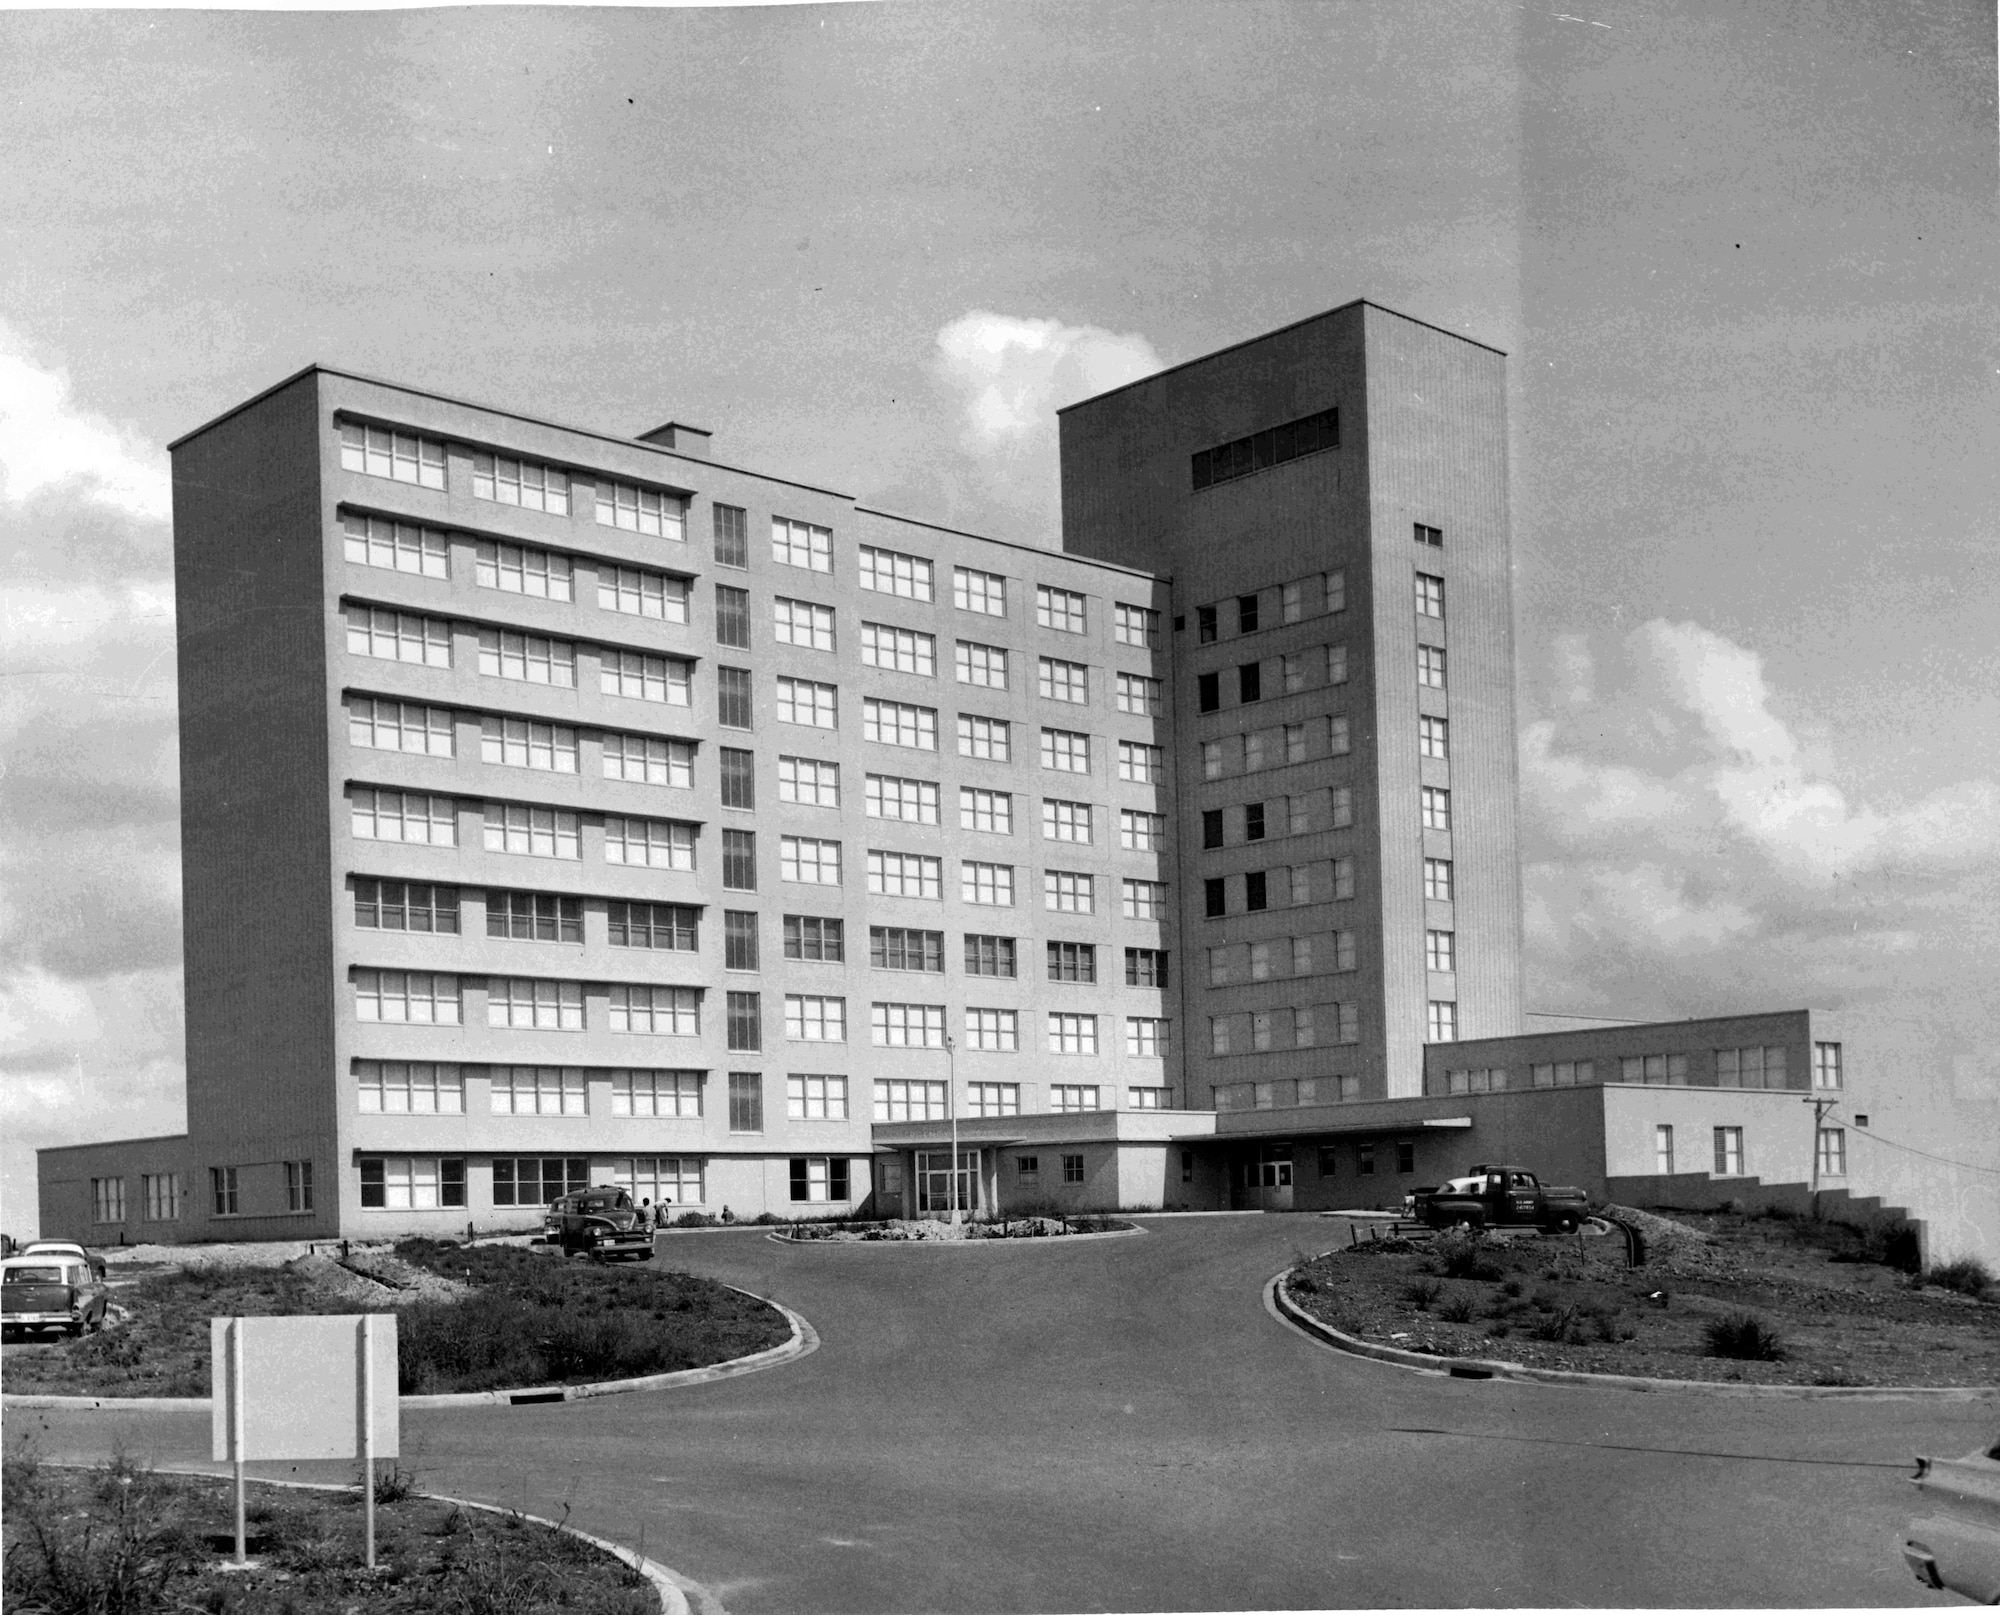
[[934, 1195]]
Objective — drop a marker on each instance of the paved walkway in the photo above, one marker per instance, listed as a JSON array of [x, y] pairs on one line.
[[1120, 1425]]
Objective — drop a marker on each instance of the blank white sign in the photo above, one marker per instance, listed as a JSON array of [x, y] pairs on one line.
[[301, 1392]]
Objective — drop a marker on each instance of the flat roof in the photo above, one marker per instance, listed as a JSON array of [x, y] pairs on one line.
[[1008, 543], [1280, 330]]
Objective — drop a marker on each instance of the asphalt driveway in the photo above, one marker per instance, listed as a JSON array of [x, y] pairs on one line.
[[1119, 1424]]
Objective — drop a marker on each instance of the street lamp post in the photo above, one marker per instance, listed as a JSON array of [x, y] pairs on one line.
[[951, 1108]]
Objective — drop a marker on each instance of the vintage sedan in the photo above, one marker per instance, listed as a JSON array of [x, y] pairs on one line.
[[57, 1291]]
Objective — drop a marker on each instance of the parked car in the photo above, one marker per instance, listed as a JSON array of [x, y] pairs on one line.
[[63, 1247], [52, 1291], [1956, 1548], [1500, 1197], [598, 1223]]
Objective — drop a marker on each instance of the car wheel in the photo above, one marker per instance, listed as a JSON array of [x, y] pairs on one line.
[[1469, 1225], [1566, 1223]]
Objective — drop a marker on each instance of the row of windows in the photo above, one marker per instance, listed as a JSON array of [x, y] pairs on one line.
[[1308, 741], [1325, 880], [1294, 1026], [1318, 594], [401, 636], [379, 724], [1275, 445], [1281, 958], [1758, 1067], [1284, 1093], [1310, 669], [1328, 808]]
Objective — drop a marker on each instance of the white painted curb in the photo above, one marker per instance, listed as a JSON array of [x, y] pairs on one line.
[[1046, 1239]]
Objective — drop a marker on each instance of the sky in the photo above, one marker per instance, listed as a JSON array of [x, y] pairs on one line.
[[1741, 257]]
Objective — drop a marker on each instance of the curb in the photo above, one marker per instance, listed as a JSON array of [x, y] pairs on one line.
[[803, 1342], [1051, 1239], [676, 1592], [1279, 1303]]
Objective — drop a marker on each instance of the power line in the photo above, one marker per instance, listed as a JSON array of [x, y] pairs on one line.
[[1946, 1160]]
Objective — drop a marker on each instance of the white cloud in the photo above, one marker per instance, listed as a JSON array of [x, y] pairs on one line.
[[47, 440], [1009, 374]]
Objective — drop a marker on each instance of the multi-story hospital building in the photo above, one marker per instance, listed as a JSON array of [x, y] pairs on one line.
[[561, 808]]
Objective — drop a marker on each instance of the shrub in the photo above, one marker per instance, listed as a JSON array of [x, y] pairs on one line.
[[394, 1484], [1511, 1288], [1459, 1256], [1420, 1293], [694, 1219], [1968, 1275], [120, 1563], [1562, 1325], [1456, 1308], [1303, 1284], [1742, 1336]]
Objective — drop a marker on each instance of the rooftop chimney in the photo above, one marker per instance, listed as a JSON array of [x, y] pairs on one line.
[[688, 440]]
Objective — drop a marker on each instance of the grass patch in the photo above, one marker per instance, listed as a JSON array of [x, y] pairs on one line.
[[120, 1540]]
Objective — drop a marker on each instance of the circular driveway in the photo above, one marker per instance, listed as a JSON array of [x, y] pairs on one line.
[[1120, 1425]]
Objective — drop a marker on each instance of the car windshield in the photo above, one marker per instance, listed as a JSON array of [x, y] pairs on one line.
[[54, 1274]]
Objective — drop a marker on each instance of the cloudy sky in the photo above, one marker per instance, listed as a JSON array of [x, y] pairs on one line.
[[1742, 256]]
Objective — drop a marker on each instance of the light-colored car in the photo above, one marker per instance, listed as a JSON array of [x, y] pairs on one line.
[[63, 1247], [1956, 1547], [53, 1291]]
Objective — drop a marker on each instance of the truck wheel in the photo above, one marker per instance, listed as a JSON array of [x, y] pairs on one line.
[[1468, 1225], [1566, 1223]]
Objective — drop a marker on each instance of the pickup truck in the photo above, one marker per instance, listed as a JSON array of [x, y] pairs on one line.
[[1500, 1197], [597, 1223]]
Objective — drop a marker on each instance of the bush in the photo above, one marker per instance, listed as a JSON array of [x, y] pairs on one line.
[[1302, 1284], [1458, 1255], [1742, 1336], [694, 1219], [1456, 1308], [1968, 1275], [118, 1564], [1420, 1293], [1562, 1325]]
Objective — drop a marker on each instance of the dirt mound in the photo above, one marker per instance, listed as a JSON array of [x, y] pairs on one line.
[[1674, 1248], [375, 1279]]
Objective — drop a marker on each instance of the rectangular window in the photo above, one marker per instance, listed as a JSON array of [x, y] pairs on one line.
[[737, 776], [802, 623], [1072, 1169], [1256, 891], [1066, 893], [1066, 821], [897, 1100], [669, 1094], [808, 782], [986, 738], [1065, 751], [1205, 624], [1145, 967], [743, 1022], [1437, 880], [664, 927], [656, 1011], [1663, 1150], [896, 723], [1246, 614], [1060, 609], [816, 1099], [1071, 1098], [521, 569], [521, 743], [107, 1200], [1430, 595], [1072, 1034], [652, 843], [1135, 625], [1432, 738], [801, 544], [666, 1180], [1659, 1070], [802, 701], [890, 572], [1058, 680], [409, 1088], [648, 760], [406, 997], [1750, 1068], [989, 956], [521, 1180], [666, 680], [819, 1179], [1430, 666], [398, 636], [1142, 764], [732, 536], [399, 726], [534, 917], [815, 1018], [527, 483], [746, 1102], [982, 665], [539, 1090], [1250, 682], [1215, 897], [739, 860], [732, 617], [815, 937], [907, 1026], [222, 1190], [899, 650], [1144, 697], [898, 948], [1253, 821], [1432, 536], [633, 509], [739, 940], [809, 860], [905, 874], [395, 546], [990, 884], [1072, 961], [376, 451], [1275, 445], [1832, 1154], [1826, 1066], [1565, 1074], [1142, 832], [983, 592], [1441, 1022], [162, 1196], [1440, 951], [988, 811], [1208, 692], [994, 1031], [993, 1099], [1145, 1037], [397, 905], [1729, 1152], [912, 801], [1436, 808], [520, 1004]]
